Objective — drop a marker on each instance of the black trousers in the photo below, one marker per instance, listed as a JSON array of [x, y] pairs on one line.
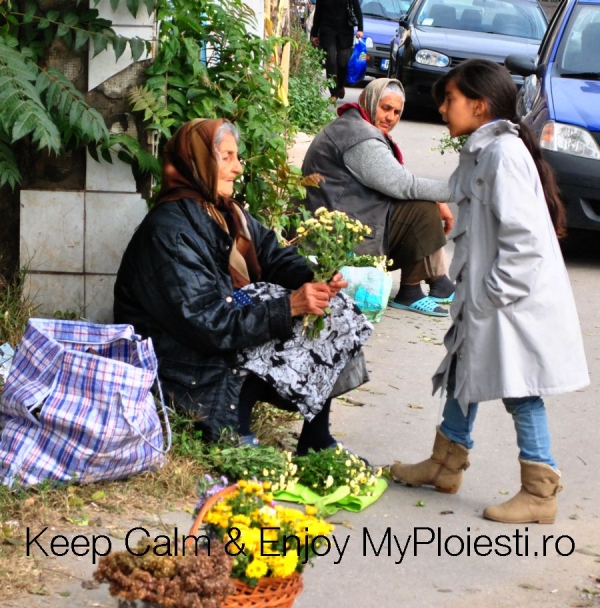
[[338, 48], [315, 434]]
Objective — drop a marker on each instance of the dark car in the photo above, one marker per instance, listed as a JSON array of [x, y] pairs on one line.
[[380, 21], [437, 35], [560, 101]]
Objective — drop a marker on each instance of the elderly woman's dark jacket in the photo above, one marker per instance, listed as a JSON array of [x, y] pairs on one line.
[[174, 286]]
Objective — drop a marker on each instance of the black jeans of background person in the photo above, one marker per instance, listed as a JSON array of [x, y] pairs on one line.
[[338, 49]]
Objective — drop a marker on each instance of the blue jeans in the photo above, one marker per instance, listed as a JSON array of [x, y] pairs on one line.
[[529, 417]]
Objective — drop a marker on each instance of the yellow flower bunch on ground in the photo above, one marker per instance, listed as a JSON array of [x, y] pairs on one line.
[[325, 471], [265, 539]]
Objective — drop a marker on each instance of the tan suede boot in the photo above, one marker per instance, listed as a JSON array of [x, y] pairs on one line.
[[536, 502], [443, 469]]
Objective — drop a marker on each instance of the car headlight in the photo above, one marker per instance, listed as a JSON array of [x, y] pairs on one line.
[[369, 42], [426, 57], [569, 139]]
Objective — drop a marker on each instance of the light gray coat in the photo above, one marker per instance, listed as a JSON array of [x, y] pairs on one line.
[[515, 330]]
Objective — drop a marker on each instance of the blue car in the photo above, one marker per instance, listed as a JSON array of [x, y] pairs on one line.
[[437, 35], [380, 21], [560, 101]]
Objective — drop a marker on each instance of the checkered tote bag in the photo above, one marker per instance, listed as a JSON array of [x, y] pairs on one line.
[[77, 405]]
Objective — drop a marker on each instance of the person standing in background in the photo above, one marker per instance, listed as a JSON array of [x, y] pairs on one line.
[[333, 32]]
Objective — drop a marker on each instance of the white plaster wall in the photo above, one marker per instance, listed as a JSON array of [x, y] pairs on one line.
[[52, 233], [258, 6]]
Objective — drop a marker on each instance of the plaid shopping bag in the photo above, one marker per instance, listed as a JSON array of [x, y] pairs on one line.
[[77, 405]]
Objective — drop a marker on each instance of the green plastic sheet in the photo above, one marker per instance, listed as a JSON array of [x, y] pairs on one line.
[[332, 503]]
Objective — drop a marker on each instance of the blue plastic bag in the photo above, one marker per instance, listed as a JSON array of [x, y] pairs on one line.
[[357, 65]]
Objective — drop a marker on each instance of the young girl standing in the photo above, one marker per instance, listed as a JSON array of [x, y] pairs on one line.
[[515, 334]]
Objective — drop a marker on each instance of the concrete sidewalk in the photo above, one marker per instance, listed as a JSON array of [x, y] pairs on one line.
[[415, 547]]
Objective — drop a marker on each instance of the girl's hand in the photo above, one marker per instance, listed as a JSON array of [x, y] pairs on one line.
[[336, 284], [359, 34], [311, 298], [446, 216], [315, 41]]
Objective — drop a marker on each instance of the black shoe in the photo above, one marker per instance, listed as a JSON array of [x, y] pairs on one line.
[[441, 290]]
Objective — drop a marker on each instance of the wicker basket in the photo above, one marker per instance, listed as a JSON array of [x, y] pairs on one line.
[[270, 592]]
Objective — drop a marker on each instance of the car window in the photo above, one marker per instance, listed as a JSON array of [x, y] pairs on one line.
[[521, 19], [579, 49], [548, 42], [385, 9]]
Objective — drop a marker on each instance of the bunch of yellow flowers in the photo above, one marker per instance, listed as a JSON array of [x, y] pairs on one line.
[[268, 540], [328, 239]]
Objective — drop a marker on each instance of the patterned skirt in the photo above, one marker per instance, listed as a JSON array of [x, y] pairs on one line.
[[304, 370]]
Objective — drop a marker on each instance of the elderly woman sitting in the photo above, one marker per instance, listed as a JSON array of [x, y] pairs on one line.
[[365, 176], [219, 297]]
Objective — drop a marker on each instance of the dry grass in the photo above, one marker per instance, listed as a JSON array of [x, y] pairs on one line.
[[15, 310], [274, 426], [75, 507]]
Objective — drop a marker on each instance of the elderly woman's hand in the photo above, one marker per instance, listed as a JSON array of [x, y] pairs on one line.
[[311, 298], [446, 216], [336, 284]]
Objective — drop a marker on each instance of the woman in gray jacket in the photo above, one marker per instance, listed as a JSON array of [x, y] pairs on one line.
[[515, 334], [364, 176]]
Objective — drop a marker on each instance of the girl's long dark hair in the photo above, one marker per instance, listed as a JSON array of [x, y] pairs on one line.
[[483, 79]]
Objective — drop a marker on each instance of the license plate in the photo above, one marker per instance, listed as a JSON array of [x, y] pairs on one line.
[[385, 64]]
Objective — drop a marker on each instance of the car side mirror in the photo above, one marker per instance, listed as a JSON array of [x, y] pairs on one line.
[[403, 22], [522, 65]]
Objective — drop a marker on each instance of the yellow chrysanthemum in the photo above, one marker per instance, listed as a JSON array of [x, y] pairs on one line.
[[257, 568], [285, 565]]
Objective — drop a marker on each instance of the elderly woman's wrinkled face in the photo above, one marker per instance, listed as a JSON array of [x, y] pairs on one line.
[[388, 112], [229, 165]]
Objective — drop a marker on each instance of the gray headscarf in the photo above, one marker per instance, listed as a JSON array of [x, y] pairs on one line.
[[371, 95]]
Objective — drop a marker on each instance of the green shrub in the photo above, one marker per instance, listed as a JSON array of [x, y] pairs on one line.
[[310, 109], [449, 144]]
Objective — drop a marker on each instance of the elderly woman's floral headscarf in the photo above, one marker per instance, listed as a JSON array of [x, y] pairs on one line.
[[371, 95], [191, 170]]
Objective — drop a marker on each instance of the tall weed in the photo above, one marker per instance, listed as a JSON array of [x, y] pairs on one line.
[[15, 308]]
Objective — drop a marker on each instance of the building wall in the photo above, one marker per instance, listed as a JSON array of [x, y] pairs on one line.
[[77, 215]]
